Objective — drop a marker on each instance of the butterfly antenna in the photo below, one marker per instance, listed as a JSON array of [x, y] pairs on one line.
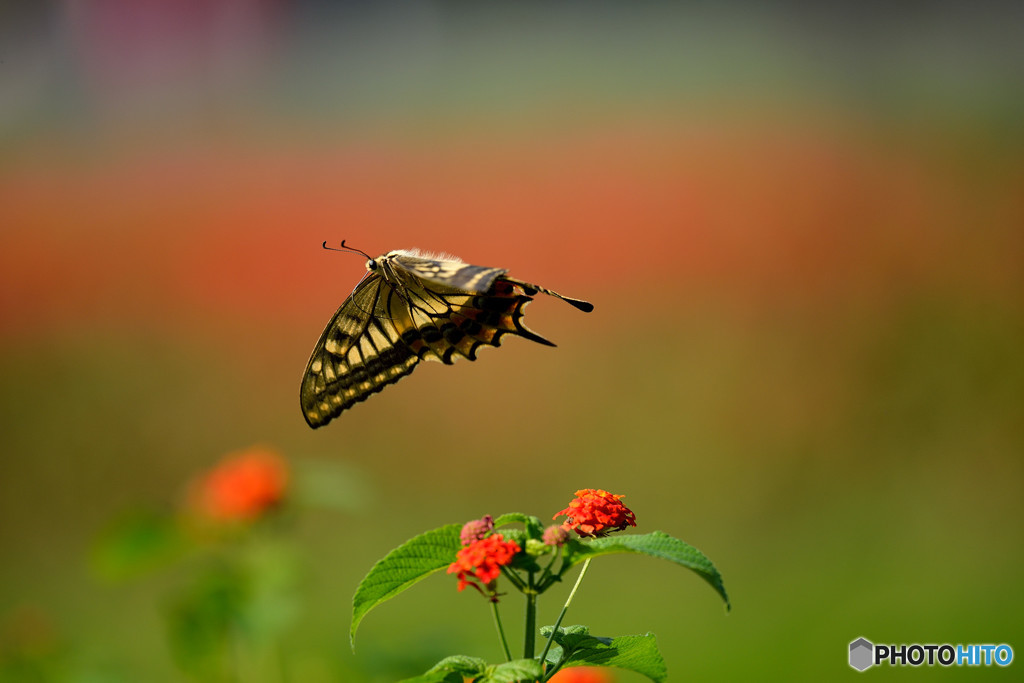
[[347, 249]]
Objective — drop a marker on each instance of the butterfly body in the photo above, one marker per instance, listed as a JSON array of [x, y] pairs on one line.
[[411, 306]]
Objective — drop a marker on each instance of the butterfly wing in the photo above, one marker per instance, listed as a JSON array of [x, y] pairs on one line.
[[444, 273], [458, 307], [451, 324], [359, 353], [451, 273], [412, 308]]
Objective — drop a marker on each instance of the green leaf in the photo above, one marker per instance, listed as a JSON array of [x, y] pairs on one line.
[[576, 647], [517, 535], [272, 574], [656, 544], [204, 618], [534, 527], [436, 677], [455, 669], [413, 561], [516, 671], [452, 670], [137, 542]]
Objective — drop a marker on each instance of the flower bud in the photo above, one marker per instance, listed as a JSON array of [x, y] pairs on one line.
[[536, 547], [477, 529], [555, 535]]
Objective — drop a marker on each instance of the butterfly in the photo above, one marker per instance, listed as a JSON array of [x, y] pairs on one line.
[[411, 306]]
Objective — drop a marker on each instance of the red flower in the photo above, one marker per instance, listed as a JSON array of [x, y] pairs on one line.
[[242, 486], [583, 674], [595, 512], [482, 561]]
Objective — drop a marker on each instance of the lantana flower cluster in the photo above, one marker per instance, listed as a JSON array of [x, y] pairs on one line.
[[482, 561], [594, 512]]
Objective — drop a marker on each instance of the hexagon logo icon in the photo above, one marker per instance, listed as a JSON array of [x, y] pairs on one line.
[[862, 653]]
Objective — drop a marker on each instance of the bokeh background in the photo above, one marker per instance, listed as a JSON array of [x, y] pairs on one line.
[[802, 227]]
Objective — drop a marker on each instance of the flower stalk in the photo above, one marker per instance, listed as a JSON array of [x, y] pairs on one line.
[[565, 608], [530, 627], [501, 631]]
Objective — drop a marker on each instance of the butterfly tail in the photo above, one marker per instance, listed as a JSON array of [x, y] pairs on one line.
[[531, 289]]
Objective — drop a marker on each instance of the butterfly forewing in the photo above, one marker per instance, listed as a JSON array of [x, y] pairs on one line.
[[447, 274], [359, 353], [406, 309]]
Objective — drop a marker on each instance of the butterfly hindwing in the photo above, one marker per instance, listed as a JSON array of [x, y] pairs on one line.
[[455, 323]]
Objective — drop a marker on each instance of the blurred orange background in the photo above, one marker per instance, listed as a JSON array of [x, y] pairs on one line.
[[802, 230]]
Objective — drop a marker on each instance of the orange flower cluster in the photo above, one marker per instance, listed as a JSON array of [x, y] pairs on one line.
[[583, 674], [242, 487], [595, 512], [482, 561]]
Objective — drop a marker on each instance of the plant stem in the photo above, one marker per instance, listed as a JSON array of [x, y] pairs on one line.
[[561, 615], [501, 631], [529, 637], [235, 654], [545, 579]]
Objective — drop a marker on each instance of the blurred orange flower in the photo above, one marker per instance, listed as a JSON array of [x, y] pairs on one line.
[[583, 674], [242, 486], [482, 561], [595, 512]]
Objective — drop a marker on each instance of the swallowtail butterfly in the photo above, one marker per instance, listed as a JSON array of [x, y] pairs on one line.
[[411, 306]]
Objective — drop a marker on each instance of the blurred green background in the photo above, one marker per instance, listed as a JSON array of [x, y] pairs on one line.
[[802, 228]]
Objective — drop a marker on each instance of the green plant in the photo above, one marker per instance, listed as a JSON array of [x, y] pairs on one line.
[[236, 574], [532, 559]]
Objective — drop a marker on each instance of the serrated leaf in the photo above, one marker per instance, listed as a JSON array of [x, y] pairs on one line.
[[470, 666], [451, 670], [436, 677], [516, 671], [639, 653], [409, 563], [564, 631], [656, 544]]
